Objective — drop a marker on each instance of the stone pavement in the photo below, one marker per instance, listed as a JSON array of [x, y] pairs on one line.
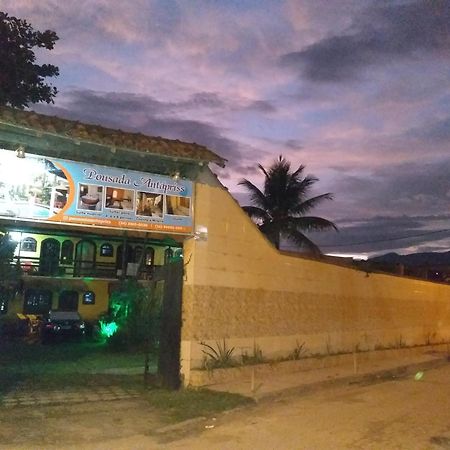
[[29, 397]]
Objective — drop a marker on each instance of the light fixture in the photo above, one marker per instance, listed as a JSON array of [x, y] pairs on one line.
[[176, 176], [20, 152], [201, 233]]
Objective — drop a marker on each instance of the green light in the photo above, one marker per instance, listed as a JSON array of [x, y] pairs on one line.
[[107, 329]]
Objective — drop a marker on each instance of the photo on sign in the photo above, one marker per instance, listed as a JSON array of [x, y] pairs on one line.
[[149, 205], [90, 197], [117, 198], [59, 197], [178, 206], [43, 189], [39, 192]]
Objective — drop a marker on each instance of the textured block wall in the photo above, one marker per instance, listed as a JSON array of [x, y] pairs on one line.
[[239, 288]]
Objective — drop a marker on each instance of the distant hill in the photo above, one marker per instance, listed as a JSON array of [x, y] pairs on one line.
[[414, 259]]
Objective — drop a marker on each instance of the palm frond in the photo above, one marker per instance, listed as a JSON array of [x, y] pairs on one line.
[[263, 170], [255, 213], [311, 223], [302, 241], [300, 187], [310, 203], [256, 195], [298, 172], [272, 231]]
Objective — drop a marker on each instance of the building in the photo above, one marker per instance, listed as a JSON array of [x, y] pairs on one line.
[[109, 204], [88, 205]]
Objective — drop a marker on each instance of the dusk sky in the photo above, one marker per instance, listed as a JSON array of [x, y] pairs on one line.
[[356, 90]]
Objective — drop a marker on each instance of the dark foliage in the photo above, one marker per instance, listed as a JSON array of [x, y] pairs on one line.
[[9, 274], [21, 79], [279, 209], [136, 310]]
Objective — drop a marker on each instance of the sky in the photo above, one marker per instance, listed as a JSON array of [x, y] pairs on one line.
[[356, 90]]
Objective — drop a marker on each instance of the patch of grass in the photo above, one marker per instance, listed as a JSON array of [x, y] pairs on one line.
[[68, 365], [65, 364], [66, 357], [255, 358], [299, 352], [176, 406], [399, 342]]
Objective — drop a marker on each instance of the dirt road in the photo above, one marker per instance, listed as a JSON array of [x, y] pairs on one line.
[[396, 414]]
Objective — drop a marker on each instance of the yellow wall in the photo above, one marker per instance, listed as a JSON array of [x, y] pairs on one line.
[[238, 287], [92, 312], [56, 286], [159, 250]]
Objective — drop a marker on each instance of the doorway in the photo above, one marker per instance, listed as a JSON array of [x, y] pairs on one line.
[[49, 257], [85, 259]]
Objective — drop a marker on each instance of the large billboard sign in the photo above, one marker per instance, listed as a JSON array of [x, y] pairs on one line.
[[42, 189]]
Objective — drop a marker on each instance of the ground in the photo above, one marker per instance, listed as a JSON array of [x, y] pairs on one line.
[[77, 393], [405, 413]]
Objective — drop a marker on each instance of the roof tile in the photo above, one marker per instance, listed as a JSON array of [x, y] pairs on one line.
[[106, 136]]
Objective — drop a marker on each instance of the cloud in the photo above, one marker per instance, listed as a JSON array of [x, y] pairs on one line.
[[203, 100], [399, 189], [209, 72], [262, 106], [293, 144], [134, 113], [384, 234], [381, 35], [380, 234], [437, 131]]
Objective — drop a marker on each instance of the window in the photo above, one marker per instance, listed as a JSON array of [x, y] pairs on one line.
[[67, 252], [68, 301], [168, 255], [106, 250], [37, 301], [137, 254], [149, 256], [28, 244], [178, 253], [89, 298]]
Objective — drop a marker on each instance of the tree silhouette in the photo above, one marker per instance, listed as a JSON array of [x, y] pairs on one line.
[[21, 79], [279, 209]]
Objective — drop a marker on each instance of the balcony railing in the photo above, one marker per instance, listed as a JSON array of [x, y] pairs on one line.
[[35, 266]]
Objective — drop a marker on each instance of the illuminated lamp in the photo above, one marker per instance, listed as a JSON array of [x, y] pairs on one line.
[[107, 329], [201, 233], [20, 152]]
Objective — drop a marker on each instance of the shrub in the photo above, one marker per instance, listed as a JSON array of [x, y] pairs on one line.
[[217, 358]]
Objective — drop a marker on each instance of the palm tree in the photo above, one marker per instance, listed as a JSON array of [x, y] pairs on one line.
[[279, 210]]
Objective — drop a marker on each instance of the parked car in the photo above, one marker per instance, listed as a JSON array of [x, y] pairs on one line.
[[62, 324]]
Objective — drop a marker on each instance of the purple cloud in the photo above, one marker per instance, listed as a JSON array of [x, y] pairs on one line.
[[381, 35]]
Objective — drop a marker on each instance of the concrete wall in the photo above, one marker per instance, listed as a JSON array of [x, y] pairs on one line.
[[239, 288]]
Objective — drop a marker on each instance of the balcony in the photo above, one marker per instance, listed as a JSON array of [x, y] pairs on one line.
[[44, 267]]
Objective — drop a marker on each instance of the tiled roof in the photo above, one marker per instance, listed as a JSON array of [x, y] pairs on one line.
[[106, 136]]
